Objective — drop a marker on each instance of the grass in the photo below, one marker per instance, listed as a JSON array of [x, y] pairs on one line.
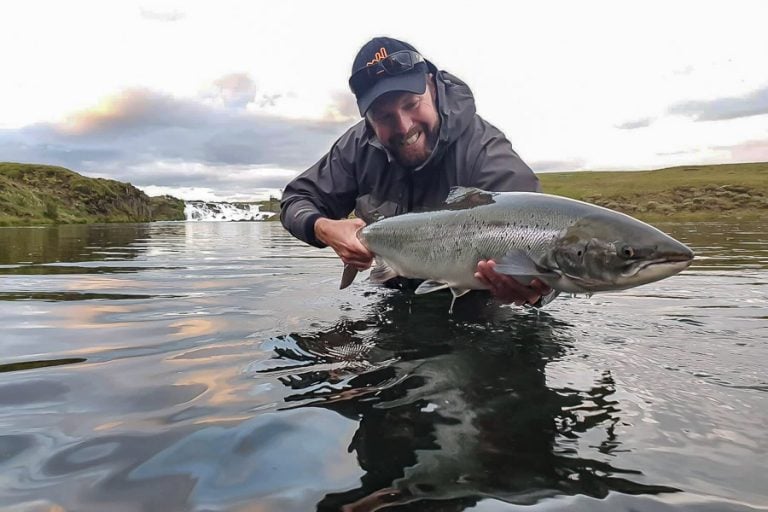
[[33, 194], [43, 194], [694, 192]]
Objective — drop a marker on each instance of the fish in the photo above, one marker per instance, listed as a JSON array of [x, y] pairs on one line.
[[571, 245]]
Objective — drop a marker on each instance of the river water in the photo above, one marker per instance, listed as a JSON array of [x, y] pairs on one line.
[[216, 366]]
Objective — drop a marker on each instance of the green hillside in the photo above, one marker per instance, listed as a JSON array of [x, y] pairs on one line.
[[694, 192], [44, 194]]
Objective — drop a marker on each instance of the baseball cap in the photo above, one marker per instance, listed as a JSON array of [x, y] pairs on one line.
[[383, 65]]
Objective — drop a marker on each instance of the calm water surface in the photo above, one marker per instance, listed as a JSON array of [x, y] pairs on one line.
[[216, 366]]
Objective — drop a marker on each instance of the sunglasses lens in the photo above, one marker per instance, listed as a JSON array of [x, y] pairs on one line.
[[395, 64], [398, 63]]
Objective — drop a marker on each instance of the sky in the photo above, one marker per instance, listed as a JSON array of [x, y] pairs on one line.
[[229, 100]]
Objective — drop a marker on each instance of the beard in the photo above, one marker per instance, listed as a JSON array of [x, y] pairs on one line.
[[410, 152]]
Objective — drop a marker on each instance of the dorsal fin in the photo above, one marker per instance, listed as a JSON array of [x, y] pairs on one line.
[[462, 198]]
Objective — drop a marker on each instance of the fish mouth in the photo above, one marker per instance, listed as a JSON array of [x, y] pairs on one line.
[[673, 263]]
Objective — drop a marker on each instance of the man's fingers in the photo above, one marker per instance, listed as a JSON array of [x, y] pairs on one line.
[[357, 262], [353, 251], [481, 277], [540, 286], [341, 236], [507, 288], [520, 290], [485, 272]]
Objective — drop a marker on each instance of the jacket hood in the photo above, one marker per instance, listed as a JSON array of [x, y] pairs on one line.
[[456, 105]]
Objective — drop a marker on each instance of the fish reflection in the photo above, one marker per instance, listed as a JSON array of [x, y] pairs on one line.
[[453, 410]]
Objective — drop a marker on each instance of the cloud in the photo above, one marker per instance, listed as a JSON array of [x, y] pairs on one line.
[[216, 142], [199, 181], [235, 90], [130, 112], [208, 194], [680, 152], [556, 165], [748, 151], [343, 107], [637, 123], [732, 107], [686, 70], [139, 127], [164, 16]]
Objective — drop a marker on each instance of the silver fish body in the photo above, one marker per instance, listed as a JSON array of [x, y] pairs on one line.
[[570, 245]]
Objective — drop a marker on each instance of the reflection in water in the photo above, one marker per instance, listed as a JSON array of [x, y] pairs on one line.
[[31, 365], [723, 245], [70, 249], [70, 243], [451, 410], [75, 296]]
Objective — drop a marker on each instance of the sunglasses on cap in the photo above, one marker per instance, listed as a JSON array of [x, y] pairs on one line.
[[394, 64]]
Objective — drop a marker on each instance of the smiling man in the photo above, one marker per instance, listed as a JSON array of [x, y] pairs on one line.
[[420, 136]]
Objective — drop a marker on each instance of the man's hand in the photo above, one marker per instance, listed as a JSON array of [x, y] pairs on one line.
[[341, 236], [509, 289]]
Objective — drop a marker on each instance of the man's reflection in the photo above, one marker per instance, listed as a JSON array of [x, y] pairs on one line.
[[454, 409]]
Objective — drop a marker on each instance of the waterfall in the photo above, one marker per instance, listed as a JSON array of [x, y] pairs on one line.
[[209, 211]]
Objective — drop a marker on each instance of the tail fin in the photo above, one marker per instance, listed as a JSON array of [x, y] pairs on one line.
[[348, 276]]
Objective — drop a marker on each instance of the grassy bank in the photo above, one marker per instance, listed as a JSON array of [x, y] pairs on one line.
[[40, 194], [33, 194], [694, 192]]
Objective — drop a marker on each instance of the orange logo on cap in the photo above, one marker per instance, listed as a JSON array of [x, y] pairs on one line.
[[381, 54]]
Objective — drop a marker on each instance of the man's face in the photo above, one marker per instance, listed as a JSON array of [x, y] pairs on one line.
[[406, 124]]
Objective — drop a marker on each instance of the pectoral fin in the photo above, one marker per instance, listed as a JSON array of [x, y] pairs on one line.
[[518, 264], [433, 286], [382, 273], [430, 286]]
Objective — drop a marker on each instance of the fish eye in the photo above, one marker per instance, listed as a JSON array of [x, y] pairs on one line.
[[626, 251]]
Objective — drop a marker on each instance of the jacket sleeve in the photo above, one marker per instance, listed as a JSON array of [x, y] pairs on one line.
[[499, 168], [327, 189]]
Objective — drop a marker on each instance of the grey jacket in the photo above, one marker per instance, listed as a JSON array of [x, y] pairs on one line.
[[359, 174]]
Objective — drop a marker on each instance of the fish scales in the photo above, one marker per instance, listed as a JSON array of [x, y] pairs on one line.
[[425, 244]]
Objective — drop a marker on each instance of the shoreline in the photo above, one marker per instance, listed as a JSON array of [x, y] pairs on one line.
[[693, 193]]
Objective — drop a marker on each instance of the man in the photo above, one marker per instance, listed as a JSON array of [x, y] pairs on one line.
[[420, 136]]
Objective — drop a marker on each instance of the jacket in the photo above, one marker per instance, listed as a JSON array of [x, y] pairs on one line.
[[358, 174]]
